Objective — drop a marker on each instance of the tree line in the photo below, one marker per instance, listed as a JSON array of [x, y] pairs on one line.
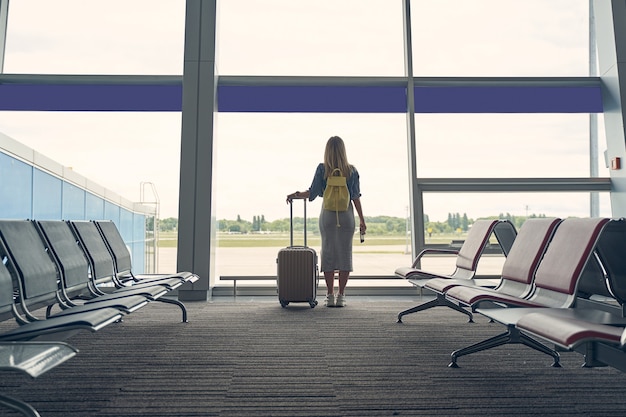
[[376, 225]]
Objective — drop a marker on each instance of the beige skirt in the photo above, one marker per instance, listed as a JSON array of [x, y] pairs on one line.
[[336, 253]]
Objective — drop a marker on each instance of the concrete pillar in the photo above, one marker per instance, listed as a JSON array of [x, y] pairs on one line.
[[415, 194], [610, 29], [196, 220]]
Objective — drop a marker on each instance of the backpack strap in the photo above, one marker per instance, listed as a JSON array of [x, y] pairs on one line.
[[336, 210]]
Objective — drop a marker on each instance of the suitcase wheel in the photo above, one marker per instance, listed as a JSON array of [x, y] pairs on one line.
[[313, 303], [283, 304]]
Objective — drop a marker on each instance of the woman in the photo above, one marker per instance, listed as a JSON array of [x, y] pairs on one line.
[[336, 254]]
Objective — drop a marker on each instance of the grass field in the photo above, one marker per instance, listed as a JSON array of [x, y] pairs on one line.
[[169, 240]]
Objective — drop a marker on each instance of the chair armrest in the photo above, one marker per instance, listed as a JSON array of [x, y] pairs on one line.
[[34, 358], [431, 251]]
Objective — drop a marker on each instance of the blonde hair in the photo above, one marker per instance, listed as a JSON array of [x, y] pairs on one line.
[[335, 157]]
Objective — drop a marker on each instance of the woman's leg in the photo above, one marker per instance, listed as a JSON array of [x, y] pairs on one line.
[[343, 281], [329, 276]]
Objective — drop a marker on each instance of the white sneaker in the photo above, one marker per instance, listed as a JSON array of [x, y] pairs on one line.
[[330, 300], [341, 300]]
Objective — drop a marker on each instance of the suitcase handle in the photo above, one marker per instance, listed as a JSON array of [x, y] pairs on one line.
[[291, 222]]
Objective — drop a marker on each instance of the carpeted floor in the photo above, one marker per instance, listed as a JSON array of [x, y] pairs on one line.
[[253, 358]]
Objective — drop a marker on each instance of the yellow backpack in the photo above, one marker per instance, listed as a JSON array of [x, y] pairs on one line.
[[336, 195]]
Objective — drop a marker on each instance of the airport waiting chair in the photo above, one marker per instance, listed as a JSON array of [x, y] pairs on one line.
[[103, 268], [567, 258], [33, 359], [596, 326], [518, 271], [38, 276], [123, 263], [467, 258], [52, 329], [34, 348], [75, 283]]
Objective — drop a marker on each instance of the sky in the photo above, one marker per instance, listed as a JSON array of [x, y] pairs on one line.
[[260, 158]]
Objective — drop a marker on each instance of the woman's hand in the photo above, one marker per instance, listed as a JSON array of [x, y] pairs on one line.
[[298, 195], [291, 197]]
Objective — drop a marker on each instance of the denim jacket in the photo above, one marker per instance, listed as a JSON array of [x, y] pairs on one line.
[[319, 184]]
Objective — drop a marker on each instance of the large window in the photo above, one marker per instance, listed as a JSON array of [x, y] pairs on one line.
[[320, 38], [95, 37], [500, 38], [118, 151], [261, 158], [505, 145], [439, 206]]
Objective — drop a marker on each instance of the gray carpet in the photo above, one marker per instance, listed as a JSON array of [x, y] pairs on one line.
[[254, 358]]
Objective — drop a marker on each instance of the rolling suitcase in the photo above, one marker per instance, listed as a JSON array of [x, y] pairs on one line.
[[297, 275]]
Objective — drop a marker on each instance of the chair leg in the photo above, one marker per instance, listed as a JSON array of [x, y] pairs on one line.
[[424, 306], [512, 335], [458, 308], [530, 342], [18, 406], [440, 300], [589, 354], [175, 302], [498, 340]]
